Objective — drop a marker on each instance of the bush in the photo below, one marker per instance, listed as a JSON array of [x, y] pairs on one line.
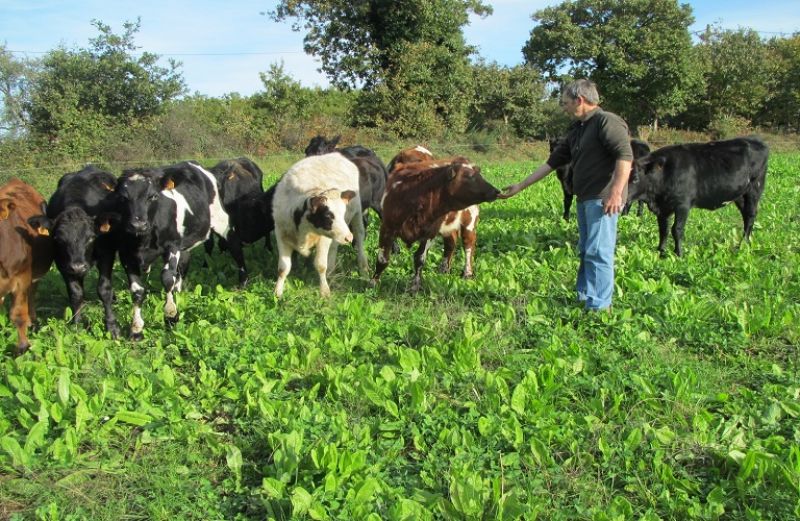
[[725, 126]]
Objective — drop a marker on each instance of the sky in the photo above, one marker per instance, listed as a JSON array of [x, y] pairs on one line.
[[224, 45]]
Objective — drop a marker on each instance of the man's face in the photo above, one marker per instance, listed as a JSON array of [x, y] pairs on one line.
[[572, 107]]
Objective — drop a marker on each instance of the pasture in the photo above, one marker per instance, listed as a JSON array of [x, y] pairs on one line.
[[491, 398]]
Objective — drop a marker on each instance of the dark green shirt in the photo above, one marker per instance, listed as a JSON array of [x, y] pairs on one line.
[[593, 146]]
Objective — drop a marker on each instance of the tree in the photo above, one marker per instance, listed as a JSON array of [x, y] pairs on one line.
[[405, 55], [104, 83], [782, 108], [15, 76], [508, 97], [639, 52]]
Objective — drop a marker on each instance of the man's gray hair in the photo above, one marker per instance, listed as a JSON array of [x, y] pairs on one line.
[[584, 88]]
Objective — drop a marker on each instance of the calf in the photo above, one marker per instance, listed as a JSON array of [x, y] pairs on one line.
[[26, 253], [417, 199], [372, 172], [249, 207], [674, 179], [564, 174], [316, 204], [640, 149], [166, 212], [81, 216], [457, 223]]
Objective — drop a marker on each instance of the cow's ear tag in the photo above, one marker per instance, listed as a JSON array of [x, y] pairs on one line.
[[108, 187], [169, 185], [231, 176], [41, 230], [105, 227]]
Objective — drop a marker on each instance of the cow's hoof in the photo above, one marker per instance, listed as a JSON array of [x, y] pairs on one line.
[[444, 268], [373, 283], [113, 329], [136, 336], [467, 275], [22, 348], [170, 322]]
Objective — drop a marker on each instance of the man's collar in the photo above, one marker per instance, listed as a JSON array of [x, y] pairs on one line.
[[590, 114]]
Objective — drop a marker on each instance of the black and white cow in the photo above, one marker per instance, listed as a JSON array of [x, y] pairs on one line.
[[674, 179], [166, 212], [81, 215], [372, 173], [316, 204], [249, 207]]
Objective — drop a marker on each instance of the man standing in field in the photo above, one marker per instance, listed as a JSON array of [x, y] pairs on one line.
[[599, 148]]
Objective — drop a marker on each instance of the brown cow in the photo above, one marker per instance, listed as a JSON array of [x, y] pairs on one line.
[[458, 223], [26, 253], [418, 197]]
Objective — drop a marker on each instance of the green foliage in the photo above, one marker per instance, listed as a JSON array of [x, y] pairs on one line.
[[639, 52], [782, 107], [15, 76], [103, 81], [491, 398]]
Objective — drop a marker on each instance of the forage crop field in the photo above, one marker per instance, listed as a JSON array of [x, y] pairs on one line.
[[492, 398]]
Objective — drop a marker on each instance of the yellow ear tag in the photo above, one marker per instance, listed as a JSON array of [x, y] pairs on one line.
[[105, 227], [108, 187], [41, 230], [170, 185], [231, 176]]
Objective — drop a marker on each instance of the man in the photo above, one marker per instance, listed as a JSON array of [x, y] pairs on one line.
[[599, 148]]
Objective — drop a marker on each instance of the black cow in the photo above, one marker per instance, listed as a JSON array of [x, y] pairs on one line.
[[166, 212], [640, 149], [372, 172], [564, 174], [674, 179], [249, 207], [81, 215]]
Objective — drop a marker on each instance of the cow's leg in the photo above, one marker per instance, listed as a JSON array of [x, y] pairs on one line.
[[640, 209], [449, 249], [469, 239], [663, 232], [419, 262], [171, 280], [359, 235], [20, 315], [321, 259], [75, 293], [234, 244], [284, 264], [677, 228], [386, 245], [748, 207], [567, 204], [105, 290]]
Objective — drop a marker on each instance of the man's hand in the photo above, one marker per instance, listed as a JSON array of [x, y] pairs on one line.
[[509, 191], [613, 204]]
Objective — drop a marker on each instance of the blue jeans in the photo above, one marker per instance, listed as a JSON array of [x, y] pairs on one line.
[[597, 239]]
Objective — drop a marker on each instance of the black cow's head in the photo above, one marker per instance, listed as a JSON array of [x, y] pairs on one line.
[[466, 186], [139, 191], [75, 233], [320, 145], [646, 172]]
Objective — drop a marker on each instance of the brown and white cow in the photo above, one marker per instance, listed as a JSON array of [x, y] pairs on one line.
[[417, 200], [26, 252], [461, 223]]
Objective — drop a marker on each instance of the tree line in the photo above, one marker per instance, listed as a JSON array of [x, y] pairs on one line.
[[402, 69]]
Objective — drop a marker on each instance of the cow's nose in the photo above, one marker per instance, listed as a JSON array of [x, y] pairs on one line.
[[348, 238], [78, 267], [138, 224]]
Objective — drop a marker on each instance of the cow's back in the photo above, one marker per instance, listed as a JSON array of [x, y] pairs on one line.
[[90, 189], [313, 175]]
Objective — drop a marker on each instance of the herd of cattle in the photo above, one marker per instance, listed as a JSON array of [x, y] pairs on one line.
[[147, 214]]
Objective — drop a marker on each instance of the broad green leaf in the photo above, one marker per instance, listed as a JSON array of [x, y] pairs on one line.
[[63, 386], [133, 418], [301, 501]]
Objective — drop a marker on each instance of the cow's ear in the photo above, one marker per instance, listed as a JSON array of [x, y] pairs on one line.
[[6, 207], [335, 141], [347, 195], [315, 203], [106, 221], [41, 224], [168, 183]]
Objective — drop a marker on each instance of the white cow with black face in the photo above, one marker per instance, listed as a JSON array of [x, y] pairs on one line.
[[317, 204]]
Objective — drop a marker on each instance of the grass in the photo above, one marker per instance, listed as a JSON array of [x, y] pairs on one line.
[[495, 398]]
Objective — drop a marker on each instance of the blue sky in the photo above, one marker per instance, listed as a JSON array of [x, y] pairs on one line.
[[224, 45]]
